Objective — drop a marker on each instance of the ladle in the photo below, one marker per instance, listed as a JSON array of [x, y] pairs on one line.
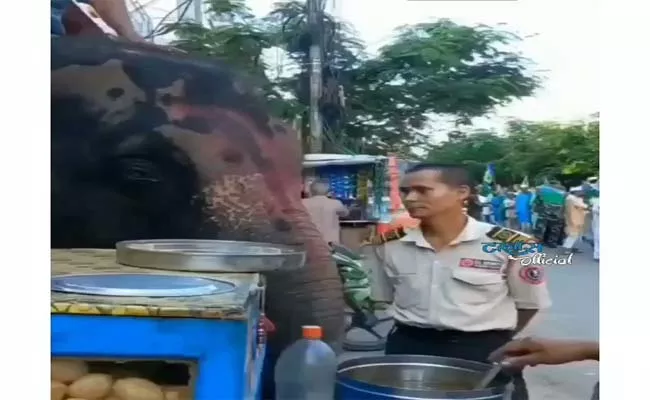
[[489, 376]]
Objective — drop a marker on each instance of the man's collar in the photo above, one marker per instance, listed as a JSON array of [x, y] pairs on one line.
[[470, 233]]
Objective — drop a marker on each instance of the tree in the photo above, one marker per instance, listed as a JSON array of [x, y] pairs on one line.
[[428, 69], [231, 32], [436, 68], [341, 54], [568, 152]]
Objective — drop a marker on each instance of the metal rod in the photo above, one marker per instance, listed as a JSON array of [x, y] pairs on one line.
[[198, 11], [314, 14], [489, 376]]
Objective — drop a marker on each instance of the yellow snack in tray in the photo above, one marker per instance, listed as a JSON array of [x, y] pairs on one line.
[[173, 395], [177, 393], [137, 389], [58, 390], [91, 387], [66, 371]]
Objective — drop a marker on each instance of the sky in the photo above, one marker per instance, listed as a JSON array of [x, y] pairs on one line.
[[564, 45]]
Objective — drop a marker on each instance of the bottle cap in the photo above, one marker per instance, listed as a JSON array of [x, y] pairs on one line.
[[313, 332]]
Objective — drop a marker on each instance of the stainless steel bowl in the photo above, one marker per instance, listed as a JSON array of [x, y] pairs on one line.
[[415, 377], [209, 255]]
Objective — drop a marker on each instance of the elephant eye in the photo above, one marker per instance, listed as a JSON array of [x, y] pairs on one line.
[[137, 170]]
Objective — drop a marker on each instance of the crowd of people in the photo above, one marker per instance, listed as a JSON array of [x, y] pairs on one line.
[[508, 206], [554, 215]]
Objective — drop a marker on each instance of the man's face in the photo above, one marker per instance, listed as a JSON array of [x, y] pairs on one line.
[[425, 195]]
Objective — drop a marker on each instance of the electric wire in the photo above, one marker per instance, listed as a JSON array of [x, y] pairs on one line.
[[159, 28]]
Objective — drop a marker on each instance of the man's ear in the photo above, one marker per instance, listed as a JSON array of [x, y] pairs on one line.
[[464, 192]]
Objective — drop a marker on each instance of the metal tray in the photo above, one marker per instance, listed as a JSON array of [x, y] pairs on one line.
[[209, 255], [140, 285]]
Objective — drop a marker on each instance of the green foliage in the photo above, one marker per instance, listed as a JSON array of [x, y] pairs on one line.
[[568, 152], [431, 68], [231, 33], [439, 68]]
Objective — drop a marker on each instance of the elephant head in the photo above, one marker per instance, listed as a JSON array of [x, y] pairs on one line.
[[147, 144]]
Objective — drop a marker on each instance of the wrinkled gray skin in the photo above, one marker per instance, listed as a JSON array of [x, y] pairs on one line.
[[147, 144]]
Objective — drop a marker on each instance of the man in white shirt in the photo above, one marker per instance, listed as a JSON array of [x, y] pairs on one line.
[[575, 213], [595, 226], [325, 212], [449, 296], [486, 211]]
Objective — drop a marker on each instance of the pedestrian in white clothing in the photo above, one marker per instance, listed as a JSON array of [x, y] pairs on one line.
[[575, 212], [485, 202], [595, 226]]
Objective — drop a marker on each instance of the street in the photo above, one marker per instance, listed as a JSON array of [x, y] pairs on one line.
[[574, 314]]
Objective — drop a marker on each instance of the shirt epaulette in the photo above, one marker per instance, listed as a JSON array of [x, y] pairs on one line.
[[382, 238], [507, 235]]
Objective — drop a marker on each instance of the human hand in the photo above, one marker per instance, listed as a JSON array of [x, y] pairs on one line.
[[267, 325], [531, 352]]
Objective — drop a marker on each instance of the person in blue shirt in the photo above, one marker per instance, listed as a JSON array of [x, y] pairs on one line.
[[523, 207], [498, 207]]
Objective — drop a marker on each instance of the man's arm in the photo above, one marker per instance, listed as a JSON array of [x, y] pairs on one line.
[[531, 351], [116, 15], [341, 209], [381, 289], [524, 316], [527, 286]]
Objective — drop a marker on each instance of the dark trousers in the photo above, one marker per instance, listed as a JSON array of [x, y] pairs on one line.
[[555, 232], [473, 346], [550, 231]]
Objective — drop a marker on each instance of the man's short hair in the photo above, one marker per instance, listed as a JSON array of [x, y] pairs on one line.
[[319, 187], [450, 174]]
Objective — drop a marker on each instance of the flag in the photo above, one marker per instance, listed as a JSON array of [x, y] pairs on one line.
[[490, 175], [488, 179]]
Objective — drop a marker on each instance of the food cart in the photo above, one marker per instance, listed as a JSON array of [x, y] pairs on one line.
[[359, 182], [161, 320]]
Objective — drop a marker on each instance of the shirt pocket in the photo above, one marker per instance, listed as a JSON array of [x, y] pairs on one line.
[[476, 287]]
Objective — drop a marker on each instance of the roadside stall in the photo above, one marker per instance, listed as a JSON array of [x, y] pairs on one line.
[[398, 217], [359, 182], [187, 314]]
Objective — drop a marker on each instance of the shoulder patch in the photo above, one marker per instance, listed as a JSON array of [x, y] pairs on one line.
[[379, 239], [508, 235]]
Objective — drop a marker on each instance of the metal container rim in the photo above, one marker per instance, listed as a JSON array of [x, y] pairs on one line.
[[286, 249], [451, 363]]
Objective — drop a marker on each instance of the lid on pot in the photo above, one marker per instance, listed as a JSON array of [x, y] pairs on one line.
[[209, 255], [140, 285]]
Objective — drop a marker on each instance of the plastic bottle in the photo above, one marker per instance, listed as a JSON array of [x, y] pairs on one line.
[[306, 370]]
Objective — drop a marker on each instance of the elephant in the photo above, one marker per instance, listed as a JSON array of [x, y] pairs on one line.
[[150, 143]]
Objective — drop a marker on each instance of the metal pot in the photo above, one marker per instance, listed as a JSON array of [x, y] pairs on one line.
[[415, 377]]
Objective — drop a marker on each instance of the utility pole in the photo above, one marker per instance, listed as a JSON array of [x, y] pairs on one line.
[[314, 19], [198, 11]]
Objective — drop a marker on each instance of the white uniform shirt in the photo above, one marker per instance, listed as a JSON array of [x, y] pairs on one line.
[[461, 287]]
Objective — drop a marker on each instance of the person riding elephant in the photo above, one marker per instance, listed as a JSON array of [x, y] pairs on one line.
[[152, 144]]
